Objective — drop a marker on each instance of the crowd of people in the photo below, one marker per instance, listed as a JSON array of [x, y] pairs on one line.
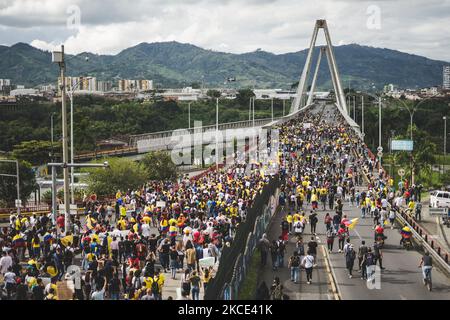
[[326, 166], [128, 248]]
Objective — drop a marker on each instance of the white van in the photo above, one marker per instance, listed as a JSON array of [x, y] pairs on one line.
[[440, 199]]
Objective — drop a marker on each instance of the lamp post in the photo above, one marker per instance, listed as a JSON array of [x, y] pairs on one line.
[[189, 115], [272, 108], [445, 142], [58, 57], [72, 145], [362, 116], [18, 201], [54, 209], [217, 135]]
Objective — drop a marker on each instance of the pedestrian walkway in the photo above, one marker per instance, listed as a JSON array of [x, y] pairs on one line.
[[317, 290]]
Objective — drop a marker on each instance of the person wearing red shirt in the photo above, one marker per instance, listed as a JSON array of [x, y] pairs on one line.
[[60, 221]]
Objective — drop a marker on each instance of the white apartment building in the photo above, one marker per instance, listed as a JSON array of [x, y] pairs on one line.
[[446, 78]]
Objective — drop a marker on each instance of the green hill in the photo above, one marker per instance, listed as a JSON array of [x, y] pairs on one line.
[[172, 64]]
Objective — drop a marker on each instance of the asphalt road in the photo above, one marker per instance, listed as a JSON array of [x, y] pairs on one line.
[[400, 280]]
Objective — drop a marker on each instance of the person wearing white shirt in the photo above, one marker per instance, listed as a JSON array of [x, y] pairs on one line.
[[308, 264], [146, 230], [5, 262]]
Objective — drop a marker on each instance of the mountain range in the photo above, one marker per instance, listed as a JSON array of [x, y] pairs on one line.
[[173, 64]]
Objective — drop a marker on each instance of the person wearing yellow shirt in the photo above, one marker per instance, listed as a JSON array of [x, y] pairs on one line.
[[146, 219], [411, 206], [123, 211], [51, 295], [314, 200], [122, 224], [289, 220]]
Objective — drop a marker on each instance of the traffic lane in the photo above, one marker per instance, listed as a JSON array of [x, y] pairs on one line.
[[318, 290], [400, 280]]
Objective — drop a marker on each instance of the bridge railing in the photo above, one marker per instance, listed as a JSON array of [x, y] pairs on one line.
[[235, 260], [421, 236], [223, 126]]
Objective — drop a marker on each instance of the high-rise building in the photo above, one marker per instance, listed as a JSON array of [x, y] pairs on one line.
[[5, 82], [104, 86], [446, 78], [128, 85]]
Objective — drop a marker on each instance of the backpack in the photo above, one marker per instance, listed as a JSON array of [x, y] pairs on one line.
[[155, 286], [295, 261], [277, 293], [301, 250], [137, 283], [369, 259], [186, 286]]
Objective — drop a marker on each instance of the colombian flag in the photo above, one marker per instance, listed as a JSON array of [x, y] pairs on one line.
[[351, 223], [67, 240]]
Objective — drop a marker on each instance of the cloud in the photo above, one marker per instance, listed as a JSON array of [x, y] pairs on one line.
[[279, 26]]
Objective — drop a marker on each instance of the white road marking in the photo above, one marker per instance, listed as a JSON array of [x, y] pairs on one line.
[[359, 236]]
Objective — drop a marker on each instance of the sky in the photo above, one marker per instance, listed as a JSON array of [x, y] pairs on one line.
[[106, 27]]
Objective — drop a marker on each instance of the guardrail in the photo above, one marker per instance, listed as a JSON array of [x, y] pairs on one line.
[[108, 153], [223, 126], [42, 207], [228, 280], [440, 255]]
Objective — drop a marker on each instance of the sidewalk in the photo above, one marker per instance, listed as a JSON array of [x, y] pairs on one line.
[[318, 290], [433, 225]]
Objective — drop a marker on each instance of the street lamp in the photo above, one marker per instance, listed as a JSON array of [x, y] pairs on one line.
[[272, 109], [72, 146], [65, 166], [189, 115], [58, 57], [18, 201], [445, 142], [411, 114]]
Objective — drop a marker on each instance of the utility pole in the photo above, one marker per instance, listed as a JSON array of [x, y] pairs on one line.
[[445, 142], [58, 57], [250, 109], [189, 115], [272, 109], [362, 116], [18, 201], [379, 126], [54, 208], [217, 135]]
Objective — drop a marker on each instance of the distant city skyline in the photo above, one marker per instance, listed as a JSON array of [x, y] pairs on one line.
[[235, 26]]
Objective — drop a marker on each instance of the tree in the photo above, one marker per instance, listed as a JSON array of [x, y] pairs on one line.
[[423, 155], [35, 152], [8, 185], [213, 93], [122, 174], [159, 166], [244, 95]]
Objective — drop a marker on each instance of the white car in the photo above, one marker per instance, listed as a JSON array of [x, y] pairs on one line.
[[440, 199]]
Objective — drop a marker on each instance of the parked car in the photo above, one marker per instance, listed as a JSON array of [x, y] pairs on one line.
[[440, 199]]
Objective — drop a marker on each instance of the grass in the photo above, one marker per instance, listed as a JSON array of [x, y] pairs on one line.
[[250, 283]]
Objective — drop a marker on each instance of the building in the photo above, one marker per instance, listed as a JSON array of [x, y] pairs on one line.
[[262, 94], [185, 94], [25, 92], [446, 78], [128, 85], [104, 86], [4, 82], [79, 84], [389, 88]]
